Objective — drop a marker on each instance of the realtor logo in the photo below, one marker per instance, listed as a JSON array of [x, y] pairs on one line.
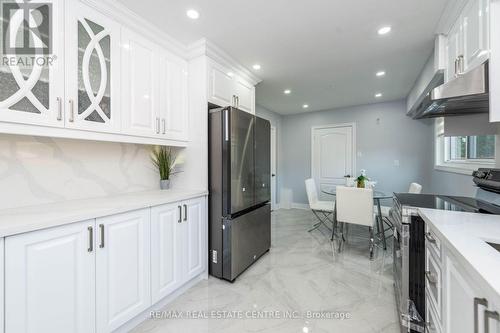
[[26, 28]]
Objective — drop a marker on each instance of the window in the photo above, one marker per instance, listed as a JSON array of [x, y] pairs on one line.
[[463, 154]]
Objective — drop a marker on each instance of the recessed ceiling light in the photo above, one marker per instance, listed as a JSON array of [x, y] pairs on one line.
[[384, 30], [193, 14], [287, 92], [305, 106], [381, 73], [230, 74], [256, 67], [378, 95]]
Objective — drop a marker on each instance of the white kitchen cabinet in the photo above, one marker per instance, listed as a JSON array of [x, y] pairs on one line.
[[50, 280], [140, 85], [35, 94], [173, 111], [454, 48], [92, 70], [178, 245], [494, 65], [2, 272], [228, 88], [122, 268], [475, 20], [195, 227], [245, 94], [166, 250]]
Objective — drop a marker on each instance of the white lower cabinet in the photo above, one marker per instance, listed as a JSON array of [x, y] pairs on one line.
[[97, 275], [123, 268], [178, 245], [50, 280]]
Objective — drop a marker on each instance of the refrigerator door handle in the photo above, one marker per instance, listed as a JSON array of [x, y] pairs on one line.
[[226, 125]]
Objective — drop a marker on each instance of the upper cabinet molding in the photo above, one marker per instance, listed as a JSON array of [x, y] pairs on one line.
[[204, 47], [123, 15]]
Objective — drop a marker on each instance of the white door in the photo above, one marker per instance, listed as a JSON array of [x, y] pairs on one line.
[[174, 97], [245, 94], [166, 250], [333, 154], [50, 280], [475, 30], [454, 49], [140, 85], [194, 221], [273, 167], [35, 94], [122, 268], [92, 70], [220, 85], [459, 300]]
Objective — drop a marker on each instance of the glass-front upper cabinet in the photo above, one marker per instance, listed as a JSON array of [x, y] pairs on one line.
[[32, 62], [92, 70]]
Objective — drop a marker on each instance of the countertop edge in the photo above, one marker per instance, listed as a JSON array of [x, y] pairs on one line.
[[470, 267], [91, 208]]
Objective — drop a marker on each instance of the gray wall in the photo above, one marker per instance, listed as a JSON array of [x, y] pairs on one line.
[[442, 182], [276, 121], [394, 137]]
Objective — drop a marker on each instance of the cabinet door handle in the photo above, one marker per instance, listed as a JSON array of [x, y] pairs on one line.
[[180, 214], [185, 212], [430, 277], [429, 238], [157, 125], [101, 229], [71, 111], [461, 64], [91, 239], [477, 302], [487, 316], [164, 124], [59, 108]]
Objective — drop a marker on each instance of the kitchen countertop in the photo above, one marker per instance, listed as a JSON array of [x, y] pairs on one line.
[[467, 234], [29, 218]]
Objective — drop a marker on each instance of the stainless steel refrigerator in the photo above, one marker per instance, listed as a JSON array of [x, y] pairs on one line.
[[240, 194]]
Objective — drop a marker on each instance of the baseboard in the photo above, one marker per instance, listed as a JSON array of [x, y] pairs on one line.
[[296, 205], [146, 314]]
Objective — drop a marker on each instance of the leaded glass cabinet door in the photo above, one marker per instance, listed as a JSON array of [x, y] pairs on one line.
[[32, 70], [92, 71]]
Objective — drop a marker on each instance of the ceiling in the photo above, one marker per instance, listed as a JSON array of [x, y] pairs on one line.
[[326, 51]]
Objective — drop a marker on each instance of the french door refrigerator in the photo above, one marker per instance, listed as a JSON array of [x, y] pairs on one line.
[[239, 185]]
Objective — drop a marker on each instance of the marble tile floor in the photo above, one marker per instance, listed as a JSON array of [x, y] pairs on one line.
[[301, 273]]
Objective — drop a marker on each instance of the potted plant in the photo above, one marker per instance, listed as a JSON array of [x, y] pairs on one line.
[[164, 160], [362, 179]]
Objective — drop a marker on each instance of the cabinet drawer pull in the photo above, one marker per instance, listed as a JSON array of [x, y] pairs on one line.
[[430, 277], [71, 111], [101, 229], [180, 214], [59, 108], [91, 239], [487, 316], [429, 238], [477, 302], [185, 212]]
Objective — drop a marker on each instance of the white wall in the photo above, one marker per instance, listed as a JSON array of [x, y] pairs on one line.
[[36, 170], [384, 134]]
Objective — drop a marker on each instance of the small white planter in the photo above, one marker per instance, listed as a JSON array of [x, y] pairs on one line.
[[165, 184]]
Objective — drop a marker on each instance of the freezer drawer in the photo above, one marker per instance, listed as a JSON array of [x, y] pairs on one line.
[[245, 239]]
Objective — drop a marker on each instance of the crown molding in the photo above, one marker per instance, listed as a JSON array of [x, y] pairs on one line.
[[204, 47], [129, 19]]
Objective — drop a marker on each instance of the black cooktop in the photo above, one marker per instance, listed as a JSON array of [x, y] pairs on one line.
[[444, 202]]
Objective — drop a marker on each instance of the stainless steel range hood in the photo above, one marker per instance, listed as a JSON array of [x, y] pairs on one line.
[[468, 93]]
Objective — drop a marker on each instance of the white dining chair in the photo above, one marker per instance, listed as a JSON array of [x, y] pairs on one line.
[[355, 206], [323, 210], [415, 188]]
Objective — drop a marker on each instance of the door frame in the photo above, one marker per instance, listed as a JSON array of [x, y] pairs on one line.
[[354, 147], [274, 156]]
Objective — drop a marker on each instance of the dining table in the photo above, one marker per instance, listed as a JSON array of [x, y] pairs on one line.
[[377, 197]]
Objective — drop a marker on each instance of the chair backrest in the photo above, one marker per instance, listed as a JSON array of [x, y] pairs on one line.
[[415, 188], [312, 194], [354, 205]]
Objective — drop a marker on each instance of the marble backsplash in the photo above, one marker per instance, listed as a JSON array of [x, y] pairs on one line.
[[36, 170]]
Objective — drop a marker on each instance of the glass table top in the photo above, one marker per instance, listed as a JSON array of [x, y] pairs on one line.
[[376, 193]]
